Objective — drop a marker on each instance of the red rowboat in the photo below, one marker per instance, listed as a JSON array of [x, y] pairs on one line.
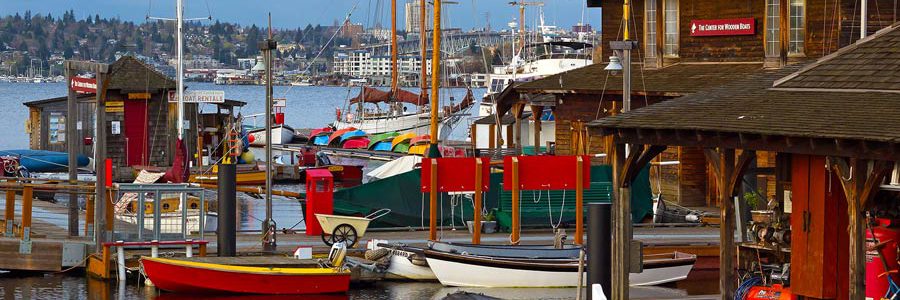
[[182, 276], [357, 143], [420, 140]]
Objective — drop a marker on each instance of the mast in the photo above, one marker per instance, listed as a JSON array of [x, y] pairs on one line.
[[424, 41], [522, 25], [179, 20], [394, 72], [269, 224], [435, 81]]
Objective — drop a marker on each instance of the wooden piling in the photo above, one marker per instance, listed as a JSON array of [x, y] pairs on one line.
[[10, 212], [726, 228], [579, 201], [476, 219], [432, 201], [27, 199], [514, 237]]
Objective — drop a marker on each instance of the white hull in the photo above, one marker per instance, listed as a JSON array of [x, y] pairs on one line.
[[417, 123], [280, 135], [402, 268], [451, 273], [171, 222]]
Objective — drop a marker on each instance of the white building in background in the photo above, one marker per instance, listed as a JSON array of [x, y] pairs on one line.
[[412, 16], [246, 63], [362, 64]]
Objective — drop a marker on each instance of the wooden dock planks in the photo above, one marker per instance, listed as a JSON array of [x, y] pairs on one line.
[[46, 255]]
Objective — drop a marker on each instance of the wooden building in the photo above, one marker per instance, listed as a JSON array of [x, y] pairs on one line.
[[681, 61], [832, 125], [140, 120]]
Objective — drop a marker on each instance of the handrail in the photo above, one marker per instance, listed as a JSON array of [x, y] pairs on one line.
[[151, 243]]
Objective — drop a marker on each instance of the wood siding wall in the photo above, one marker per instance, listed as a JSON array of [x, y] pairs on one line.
[[830, 25]]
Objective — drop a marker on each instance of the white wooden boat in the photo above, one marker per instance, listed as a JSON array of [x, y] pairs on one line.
[[406, 263], [465, 270], [281, 134]]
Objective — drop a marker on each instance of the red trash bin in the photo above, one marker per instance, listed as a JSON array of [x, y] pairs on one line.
[[319, 198]]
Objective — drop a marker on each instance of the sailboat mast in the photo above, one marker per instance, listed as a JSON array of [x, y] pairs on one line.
[[435, 80], [424, 41], [269, 224], [394, 72], [179, 72], [522, 25]]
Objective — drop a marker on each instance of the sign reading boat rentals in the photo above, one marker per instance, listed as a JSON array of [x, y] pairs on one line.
[[83, 85], [744, 26], [200, 97]]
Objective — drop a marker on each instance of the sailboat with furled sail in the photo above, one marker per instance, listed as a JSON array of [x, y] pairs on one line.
[[396, 118]]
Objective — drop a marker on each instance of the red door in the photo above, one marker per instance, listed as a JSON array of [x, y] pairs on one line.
[[136, 132]]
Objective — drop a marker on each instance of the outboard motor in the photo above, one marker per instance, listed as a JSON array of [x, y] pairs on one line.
[[322, 159], [336, 254]]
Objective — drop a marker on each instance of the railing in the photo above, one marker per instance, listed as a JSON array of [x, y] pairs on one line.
[[22, 229], [106, 254], [176, 211]]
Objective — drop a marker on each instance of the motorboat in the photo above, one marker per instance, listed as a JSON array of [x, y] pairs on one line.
[[281, 134]]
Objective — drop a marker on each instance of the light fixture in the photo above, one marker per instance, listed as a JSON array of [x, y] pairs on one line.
[[614, 65]]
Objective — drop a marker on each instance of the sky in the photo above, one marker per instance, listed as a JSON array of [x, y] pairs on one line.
[[466, 14]]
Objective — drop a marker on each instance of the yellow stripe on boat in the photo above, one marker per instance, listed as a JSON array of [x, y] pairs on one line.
[[246, 269]]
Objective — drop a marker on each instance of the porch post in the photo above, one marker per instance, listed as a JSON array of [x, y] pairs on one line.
[[726, 229], [621, 239], [72, 136]]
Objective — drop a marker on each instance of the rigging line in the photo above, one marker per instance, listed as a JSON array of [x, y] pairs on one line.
[[322, 50]]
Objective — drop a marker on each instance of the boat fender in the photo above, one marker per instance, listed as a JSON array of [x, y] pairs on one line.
[[377, 254]]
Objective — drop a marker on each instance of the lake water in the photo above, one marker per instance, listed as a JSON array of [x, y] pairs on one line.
[[307, 107]]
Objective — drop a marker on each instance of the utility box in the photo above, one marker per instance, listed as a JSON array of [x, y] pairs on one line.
[[319, 198]]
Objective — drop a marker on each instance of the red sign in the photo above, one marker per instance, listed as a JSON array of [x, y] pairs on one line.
[[744, 26], [456, 174], [83, 85], [547, 172]]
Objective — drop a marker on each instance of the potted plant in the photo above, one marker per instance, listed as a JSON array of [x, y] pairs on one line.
[[488, 223]]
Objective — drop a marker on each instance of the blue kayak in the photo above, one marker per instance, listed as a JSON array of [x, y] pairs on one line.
[[382, 146], [320, 140], [43, 160], [353, 134]]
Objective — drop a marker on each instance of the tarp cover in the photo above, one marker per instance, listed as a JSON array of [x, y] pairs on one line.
[[373, 95], [394, 167]]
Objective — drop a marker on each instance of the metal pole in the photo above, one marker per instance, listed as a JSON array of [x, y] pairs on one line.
[[435, 78], [599, 247], [394, 71], [226, 237], [863, 18], [72, 143], [424, 41], [99, 159], [179, 69], [269, 224]]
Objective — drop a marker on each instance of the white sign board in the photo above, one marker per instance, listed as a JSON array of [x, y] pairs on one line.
[[115, 127], [199, 97], [279, 102]]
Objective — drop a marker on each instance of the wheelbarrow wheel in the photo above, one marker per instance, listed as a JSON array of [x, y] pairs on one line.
[[346, 234], [328, 239]]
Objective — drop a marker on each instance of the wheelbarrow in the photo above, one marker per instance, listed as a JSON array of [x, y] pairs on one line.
[[346, 229]]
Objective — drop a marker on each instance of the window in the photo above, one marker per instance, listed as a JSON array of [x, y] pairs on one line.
[[57, 128], [671, 27], [798, 27], [773, 28], [650, 29]]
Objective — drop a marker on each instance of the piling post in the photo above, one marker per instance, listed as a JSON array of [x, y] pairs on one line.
[[476, 220], [10, 212], [432, 203], [120, 260], [189, 248], [599, 248], [226, 237], [71, 147], [514, 237], [579, 201], [99, 158], [27, 198], [89, 216]]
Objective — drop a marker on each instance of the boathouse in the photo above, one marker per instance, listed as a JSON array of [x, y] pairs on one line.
[[832, 126], [140, 119], [675, 58]]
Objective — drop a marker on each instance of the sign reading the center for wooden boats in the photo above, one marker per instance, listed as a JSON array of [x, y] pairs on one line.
[[200, 97], [83, 85], [743, 26]]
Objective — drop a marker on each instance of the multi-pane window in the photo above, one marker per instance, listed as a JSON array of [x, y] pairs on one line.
[[773, 28], [798, 26], [57, 128], [650, 28], [671, 27]]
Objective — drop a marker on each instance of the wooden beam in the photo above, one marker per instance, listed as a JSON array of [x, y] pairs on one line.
[[579, 201], [537, 111], [714, 160], [621, 228], [432, 203], [642, 156], [880, 170], [743, 163], [852, 177], [726, 228], [476, 202], [514, 236]]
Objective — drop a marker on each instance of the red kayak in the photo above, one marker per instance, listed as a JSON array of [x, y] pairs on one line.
[[357, 143], [181, 276]]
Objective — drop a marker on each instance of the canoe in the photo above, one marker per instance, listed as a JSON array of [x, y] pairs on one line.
[[504, 251], [418, 149], [320, 139], [420, 140], [335, 137], [401, 148], [353, 135], [402, 139], [43, 160], [315, 132], [281, 134], [454, 269], [192, 277], [406, 262], [356, 143], [382, 137], [380, 146]]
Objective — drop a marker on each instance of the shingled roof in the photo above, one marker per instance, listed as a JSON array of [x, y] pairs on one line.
[[675, 80], [751, 106], [130, 74], [872, 64]]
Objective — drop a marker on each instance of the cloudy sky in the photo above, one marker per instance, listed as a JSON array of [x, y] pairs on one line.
[[294, 13]]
